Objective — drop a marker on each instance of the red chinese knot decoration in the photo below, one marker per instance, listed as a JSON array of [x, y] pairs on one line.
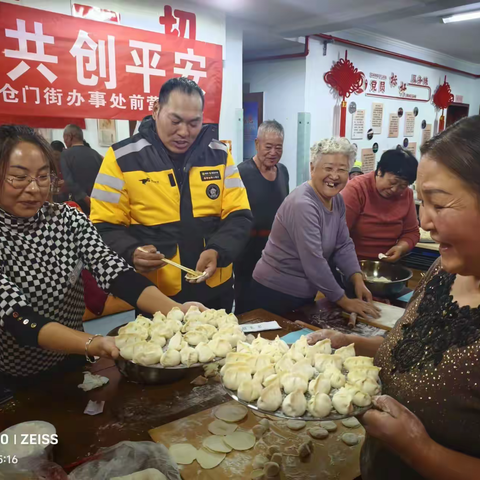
[[442, 99], [345, 78]]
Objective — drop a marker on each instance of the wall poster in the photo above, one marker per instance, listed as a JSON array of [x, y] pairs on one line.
[[409, 124], [427, 133], [368, 160], [377, 118], [358, 125], [393, 125]]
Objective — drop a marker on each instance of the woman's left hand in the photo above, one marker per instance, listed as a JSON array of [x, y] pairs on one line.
[[103, 347], [396, 426], [361, 291]]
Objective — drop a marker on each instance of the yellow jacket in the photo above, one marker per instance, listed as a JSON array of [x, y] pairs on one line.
[[136, 201]]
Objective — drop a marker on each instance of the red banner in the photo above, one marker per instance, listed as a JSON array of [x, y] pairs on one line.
[[57, 65]]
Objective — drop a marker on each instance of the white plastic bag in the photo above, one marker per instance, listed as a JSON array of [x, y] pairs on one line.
[[125, 458]]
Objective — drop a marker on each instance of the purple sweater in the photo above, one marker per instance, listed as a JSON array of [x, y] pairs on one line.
[[305, 237]]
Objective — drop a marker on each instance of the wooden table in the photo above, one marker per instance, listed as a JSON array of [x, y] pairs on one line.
[[130, 409]]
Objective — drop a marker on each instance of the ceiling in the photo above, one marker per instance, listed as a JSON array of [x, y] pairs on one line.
[[269, 23]]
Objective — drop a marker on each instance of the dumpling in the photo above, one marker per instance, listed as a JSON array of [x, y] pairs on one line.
[[281, 345], [352, 362], [220, 313], [263, 373], [171, 358], [295, 355], [205, 353], [295, 404], [262, 361], [129, 351], [159, 317], [319, 385], [207, 315], [143, 321], [175, 325], [346, 352], [161, 330], [336, 377], [176, 314], [294, 381], [244, 347], [193, 312], [249, 390], [342, 402], [194, 338], [323, 361], [208, 330], [259, 343], [304, 367], [271, 398], [359, 398], [273, 379], [191, 325], [360, 373], [149, 355], [234, 357], [127, 339], [324, 346], [320, 405], [368, 385], [228, 366], [136, 329], [176, 342], [188, 356], [301, 345], [285, 364], [234, 376], [220, 347], [159, 340], [272, 351]]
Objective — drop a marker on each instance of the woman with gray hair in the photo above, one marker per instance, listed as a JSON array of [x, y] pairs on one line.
[[310, 231]]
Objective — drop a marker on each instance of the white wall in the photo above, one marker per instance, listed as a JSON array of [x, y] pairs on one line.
[[283, 84], [211, 28], [321, 103], [230, 127], [292, 86]]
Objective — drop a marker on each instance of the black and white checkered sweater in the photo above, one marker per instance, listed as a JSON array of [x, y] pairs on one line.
[[41, 259]]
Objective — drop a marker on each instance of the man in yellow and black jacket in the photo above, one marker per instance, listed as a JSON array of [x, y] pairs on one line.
[[170, 191]]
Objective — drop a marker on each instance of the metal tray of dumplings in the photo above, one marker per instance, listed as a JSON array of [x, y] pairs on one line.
[[154, 374], [357, 411]]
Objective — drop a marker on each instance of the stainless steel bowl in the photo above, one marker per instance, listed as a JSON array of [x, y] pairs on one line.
[[397, 274], [152, 375]]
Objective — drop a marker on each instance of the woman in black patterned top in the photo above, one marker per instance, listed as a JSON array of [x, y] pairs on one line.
[[43, 249], [426, 424]]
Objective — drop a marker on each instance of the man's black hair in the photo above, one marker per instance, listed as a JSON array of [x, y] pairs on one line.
[[398, 162], [181, 84], [58, 146]]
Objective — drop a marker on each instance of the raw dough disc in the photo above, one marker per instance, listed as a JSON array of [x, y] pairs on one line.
[[231, 413], [258, 474], [208, 460], [183, 453], [219, 427], [351, 422], [240, 440], [296, 424], [216, 444], [329, 426], [318, 433], [350, 439]]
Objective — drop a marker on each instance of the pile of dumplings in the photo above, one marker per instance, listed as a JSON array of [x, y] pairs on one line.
[[301, 378], [196, 337]]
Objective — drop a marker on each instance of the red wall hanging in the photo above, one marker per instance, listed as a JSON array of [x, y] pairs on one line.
[[345, 79], [442, 99]]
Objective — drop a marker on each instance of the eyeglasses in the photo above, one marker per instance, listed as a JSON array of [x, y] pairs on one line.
[[22, 181]]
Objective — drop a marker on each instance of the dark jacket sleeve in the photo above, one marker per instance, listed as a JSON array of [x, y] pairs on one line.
[[73, 187], [236, 220]]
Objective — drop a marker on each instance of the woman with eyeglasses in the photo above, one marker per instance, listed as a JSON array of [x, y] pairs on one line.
[[43, 249], [381, 213]]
